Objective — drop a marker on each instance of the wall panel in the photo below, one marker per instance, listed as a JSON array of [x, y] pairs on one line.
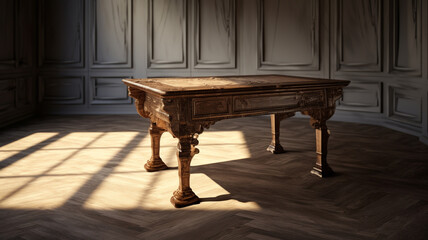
[[362, 96], [26, 33], [406, 37], [111, 33], [167, 34], [284, 44], [358, 35], [7, 95], [61, 34], [62, 89], [405, 105], [109, 90], [25, 92], [215, 31], [7, 30]]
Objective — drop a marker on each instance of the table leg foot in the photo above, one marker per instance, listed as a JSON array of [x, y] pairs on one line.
[[322, 171], [154, 165], [275, 148], [275, 119], [182, 199]]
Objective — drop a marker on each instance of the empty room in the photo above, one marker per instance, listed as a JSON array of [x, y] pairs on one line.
[[214, 119]]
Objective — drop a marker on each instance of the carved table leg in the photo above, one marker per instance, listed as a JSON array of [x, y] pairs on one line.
[[321, 168], [155, 163], [275, 119], [318, 121], [184, 195]]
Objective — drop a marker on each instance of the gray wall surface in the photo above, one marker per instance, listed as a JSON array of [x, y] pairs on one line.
[[69, 56]]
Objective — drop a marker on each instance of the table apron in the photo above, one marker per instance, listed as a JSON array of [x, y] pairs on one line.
[[256, 104]]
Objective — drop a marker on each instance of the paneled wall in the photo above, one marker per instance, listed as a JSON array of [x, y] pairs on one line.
[[77, 51], [17, 60]]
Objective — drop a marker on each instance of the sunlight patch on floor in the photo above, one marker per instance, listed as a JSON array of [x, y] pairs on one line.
[[55, 176], [214, 147], [50, 175], [90, 159], [152, 191], [41, 193]]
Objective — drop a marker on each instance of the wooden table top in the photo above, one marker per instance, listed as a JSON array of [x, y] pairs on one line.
[[193, 85]]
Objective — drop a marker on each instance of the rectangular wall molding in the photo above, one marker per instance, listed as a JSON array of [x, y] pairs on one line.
[[358, 36], [108, 90], [281, 44], [167, 34], [215, 34], [405, 105], [406, 37], [8, 34], [61, 33], [111, 34], [7, 95], [25, 95], [61, 89], [362, 96]]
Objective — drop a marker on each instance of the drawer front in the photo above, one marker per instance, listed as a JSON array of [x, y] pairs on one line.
[[265, 102], [254, 104], [312, 99], [210, 107]]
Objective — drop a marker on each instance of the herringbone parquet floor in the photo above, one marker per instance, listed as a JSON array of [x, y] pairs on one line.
[[82, 177]]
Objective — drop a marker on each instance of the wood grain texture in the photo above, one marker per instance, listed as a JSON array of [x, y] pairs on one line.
[[82, 177], [204, 85]]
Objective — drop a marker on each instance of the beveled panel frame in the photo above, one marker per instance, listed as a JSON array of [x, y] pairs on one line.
[[7, 91], [341, 65], [79, 81], [94, 62], [161, 64], [200, 63], [396, 93], [313, 65], [69, 63], [12, 62], [97, 100], [25, 96], [362, 87], [417, 20]]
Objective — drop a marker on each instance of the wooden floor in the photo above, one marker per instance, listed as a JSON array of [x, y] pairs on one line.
[[82, 177]]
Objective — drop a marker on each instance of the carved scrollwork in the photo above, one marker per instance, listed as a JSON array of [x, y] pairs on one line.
[[135, 93], [319, 116], [139, 97], [190, 128], [311, 99], [334, 94]]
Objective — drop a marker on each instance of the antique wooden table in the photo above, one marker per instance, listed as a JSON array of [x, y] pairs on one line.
[[186, 106]]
